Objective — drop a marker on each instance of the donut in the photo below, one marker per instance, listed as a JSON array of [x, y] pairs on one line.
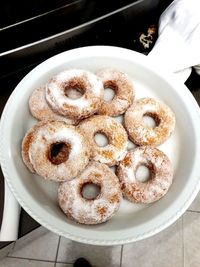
[[81, 80], [40, 109], [123, 88], [26, 144], [139, 132], [58, 151], [91, 211], [161, 174], [115, 133]]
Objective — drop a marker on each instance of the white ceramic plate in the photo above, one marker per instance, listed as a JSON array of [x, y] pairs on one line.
[[132, 222]]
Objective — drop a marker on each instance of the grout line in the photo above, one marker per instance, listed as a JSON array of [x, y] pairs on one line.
[[121, 255], [14, 245], [65, 262], [183, 245], [22, 258], [12, 249], [195, 211], [58, 246]]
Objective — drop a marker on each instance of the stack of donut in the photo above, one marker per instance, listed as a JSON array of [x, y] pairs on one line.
[[61, 147]]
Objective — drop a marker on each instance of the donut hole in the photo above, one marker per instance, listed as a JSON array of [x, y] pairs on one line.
[[74, 93], [143, 173], [151, 120], [109, 91], [59, 152], [101, 139], [131, 145], [74, 89], [90, 191]]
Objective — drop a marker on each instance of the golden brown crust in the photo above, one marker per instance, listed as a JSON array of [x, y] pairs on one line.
[[139, 132], [61, 167], [159, 182], [114, 131], [97, 210], [40, 109], [123, 88], [82, 80], [28, 138]]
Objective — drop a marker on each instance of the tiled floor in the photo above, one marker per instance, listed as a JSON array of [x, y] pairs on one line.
[[177, 246]]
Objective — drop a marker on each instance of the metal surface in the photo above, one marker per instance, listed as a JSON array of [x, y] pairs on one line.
[[51, 33]]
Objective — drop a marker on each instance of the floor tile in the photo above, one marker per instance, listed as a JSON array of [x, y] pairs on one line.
[[29, 237], [99, 256], [164, 249], [43, 247], [195, 206], [191, 237], [14, 262], [64, 265], [6, 250]]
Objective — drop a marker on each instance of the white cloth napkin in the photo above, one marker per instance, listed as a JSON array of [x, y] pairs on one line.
[[177, 48], [11, 214]]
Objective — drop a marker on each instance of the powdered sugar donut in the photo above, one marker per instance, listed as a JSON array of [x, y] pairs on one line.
[[81, 80], [58, 151], [91, 211], [124, 92], [139, 132], [113, 130], [160, 179], [40, 109]]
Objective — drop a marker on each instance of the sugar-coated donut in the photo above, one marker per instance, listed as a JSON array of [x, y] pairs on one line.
[[115, 133], [123, 88], [26, 144], [58, 151], [78, 79], [161, 174], [139, 132], [40, 109], [91, 211]]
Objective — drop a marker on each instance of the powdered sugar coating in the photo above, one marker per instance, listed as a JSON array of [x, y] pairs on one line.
[[124, 91], [56, 132], [82, 80], [161, 174], [114, 131], [97, 210], [40, 109], [139, 132]]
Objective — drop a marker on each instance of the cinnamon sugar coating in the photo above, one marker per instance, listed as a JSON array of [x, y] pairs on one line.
[[82, 80], [139, 132], [97, 210], [59, 151], [160, 179], [123, 88], [72, 157], [40, 109], [114, 131], [28, 138]]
